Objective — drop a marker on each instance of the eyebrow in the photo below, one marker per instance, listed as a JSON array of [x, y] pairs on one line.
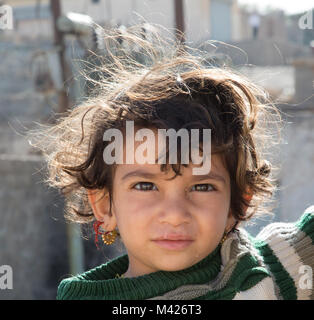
[[148, 175]]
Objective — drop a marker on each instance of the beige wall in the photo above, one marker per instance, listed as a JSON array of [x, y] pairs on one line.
[[128, 12]]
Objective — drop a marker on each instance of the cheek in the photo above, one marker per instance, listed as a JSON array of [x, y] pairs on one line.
[[212, 219], [216, 202], [131, 212], [214, 211], [137, 201]]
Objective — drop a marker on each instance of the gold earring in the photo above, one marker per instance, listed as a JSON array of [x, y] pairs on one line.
[[234, 228], [224, 238], [109, 237]]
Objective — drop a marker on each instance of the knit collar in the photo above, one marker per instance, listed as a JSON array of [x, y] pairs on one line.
[[101, 282]]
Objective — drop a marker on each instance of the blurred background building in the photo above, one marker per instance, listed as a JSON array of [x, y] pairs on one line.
[[39, 76]]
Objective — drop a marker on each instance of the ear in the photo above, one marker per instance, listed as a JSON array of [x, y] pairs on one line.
[[231, 221], [248, 197], [100, 204]]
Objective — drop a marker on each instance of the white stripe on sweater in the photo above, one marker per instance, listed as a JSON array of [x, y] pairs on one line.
[[276, 237], [264, 290]]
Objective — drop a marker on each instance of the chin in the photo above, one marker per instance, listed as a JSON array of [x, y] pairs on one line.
[[176, 266]]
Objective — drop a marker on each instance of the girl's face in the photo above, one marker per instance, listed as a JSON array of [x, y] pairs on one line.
[[170, 225]]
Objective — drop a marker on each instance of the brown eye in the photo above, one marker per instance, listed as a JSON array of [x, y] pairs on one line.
[[206, 187], [145, 186]]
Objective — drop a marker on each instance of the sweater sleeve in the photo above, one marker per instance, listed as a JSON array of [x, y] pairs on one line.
[[288, 252]]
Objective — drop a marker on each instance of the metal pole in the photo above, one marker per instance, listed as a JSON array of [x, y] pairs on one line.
[[59, 43], [75, 245], [179, 20]]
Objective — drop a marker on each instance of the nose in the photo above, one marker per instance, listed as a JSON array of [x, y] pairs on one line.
[[174, 211]]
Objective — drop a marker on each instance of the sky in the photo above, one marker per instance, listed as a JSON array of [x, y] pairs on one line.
[[290, 6]]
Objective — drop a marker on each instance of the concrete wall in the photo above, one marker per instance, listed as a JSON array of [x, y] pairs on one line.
[[263, 52], [297, 174], [304, 77], [32, 231], [294, 157]]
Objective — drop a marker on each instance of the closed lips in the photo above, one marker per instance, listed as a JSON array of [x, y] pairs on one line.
[[175, 243], [174, 238]]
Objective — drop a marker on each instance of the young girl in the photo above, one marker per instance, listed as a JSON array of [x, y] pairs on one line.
[[181, 229]]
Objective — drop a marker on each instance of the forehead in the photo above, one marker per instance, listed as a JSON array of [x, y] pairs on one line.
[[217, 171]]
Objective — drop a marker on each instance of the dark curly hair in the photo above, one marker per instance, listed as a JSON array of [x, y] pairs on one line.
[[171, 87]]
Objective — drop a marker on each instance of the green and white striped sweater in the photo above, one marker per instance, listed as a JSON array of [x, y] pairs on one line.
[[277, 264]]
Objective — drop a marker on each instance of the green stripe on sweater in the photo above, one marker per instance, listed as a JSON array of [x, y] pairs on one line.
[[306, 224], [283, 279]]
